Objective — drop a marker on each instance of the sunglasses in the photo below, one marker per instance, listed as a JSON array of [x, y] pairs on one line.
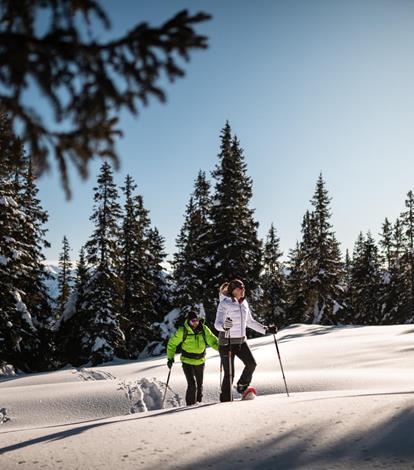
[[194, 320]]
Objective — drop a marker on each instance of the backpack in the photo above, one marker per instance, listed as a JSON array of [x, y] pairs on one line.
[[179, 348]]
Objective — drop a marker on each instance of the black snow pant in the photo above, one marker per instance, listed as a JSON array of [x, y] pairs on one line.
[[243, 352], [194, 376]]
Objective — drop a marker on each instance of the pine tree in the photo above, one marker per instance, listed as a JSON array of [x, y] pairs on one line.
[[396, 284], [366, 284], [33, 274], [138, 287], [273, 283], [407, 220], [19, 341], [32, 283], [347, 312], [65, 279], [159, 280], [73, 323], [235, 249], [386, 243], [102, 337], [322, 261], [297, 287], [191, 261]]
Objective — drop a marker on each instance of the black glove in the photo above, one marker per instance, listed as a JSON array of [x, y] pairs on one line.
[[228, 323], [271, 329], [170, 363]]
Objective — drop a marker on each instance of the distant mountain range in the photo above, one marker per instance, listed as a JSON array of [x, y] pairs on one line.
[[52, 283]]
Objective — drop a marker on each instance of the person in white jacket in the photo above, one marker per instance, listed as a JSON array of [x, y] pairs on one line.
[[232, 318]]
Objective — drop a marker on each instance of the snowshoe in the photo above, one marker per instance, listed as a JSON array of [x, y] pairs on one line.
[[249, 394]]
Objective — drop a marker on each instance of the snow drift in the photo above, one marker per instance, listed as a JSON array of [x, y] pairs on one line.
[[351, 405]]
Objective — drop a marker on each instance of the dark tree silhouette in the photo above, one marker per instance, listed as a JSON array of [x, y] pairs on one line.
[[85, 81]]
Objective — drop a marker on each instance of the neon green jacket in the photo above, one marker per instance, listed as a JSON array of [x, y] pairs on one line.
[[194, 344]]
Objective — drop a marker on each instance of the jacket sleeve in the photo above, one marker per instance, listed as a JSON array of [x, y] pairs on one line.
[[211, 338], [253, 324], [174, 341], [220, 316]]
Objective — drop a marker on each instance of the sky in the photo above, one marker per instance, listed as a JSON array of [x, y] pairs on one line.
[[308, 86]]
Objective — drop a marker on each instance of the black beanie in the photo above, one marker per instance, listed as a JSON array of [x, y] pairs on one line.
[[192, 315]]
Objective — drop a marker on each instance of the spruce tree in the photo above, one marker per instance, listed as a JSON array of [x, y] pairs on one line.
[[102, 337], [160, 281], [366, 282], [32, 283], [191, 261], [19, 340], [297, 287], [31, 279], [322, 261], [138, 291], [396, 283], [235, 249], [407, 221], [65, 279], [73, 323], [273, 283], [346, 315], [386, 241]]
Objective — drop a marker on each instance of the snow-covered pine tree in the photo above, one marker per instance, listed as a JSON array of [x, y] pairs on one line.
[[407, 221], [299, 283], [346, 314], [366, 282], [272, 303], [19, 342], [36, 296], [393, 282], [160, 282], [139, 308], [191, 262], [396, 287], [235, 249], [31, 281], [65, 279], [322, 262], [101, 335], [386, 242], [297, 287], [73, 321]]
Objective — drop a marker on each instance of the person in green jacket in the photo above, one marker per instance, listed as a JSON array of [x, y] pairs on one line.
[[194, 337]]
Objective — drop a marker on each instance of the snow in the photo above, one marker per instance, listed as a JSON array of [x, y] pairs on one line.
[[21, 307], [167, 326], [350, 406], [3, 260], [7, 201]]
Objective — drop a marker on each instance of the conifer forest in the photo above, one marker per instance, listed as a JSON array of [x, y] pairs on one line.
[[114, 297]]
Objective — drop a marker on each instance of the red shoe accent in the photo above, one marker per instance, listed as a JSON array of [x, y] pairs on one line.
[[249, 393]]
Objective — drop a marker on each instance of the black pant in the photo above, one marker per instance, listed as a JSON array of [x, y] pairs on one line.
[[194, 376], [243, 352]]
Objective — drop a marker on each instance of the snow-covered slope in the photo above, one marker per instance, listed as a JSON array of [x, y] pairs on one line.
[[350, 405]]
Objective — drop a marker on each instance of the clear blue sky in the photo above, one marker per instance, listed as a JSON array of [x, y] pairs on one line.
[[307, 85]]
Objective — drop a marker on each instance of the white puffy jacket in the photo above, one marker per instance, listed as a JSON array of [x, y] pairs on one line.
[[240, 314]]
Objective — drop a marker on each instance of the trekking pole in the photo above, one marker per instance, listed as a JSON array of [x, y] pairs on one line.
[[166, 386], [230, 370], [280, 362]]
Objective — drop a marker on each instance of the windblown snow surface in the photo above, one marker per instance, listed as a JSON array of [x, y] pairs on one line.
[[351, 405]]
